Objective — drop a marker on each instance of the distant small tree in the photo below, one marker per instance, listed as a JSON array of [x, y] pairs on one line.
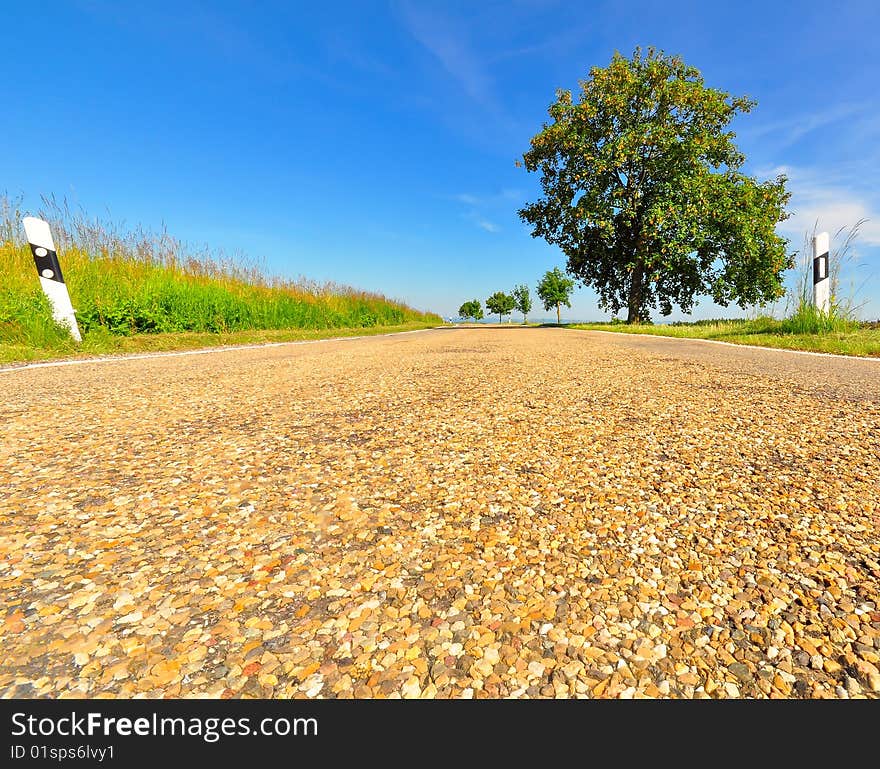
[[472, 309], [554, 290], [523, 300], [501, 304]]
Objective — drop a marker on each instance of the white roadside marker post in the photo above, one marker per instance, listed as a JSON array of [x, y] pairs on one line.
[[821, 277], [46, 259]]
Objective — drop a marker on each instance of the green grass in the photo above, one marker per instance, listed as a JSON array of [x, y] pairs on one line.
[[803, 331], [805, 328], [161, 294]]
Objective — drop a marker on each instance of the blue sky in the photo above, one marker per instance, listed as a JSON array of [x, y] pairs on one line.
[[374, 143]]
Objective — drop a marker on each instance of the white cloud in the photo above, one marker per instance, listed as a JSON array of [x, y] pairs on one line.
[[487, 225], [834, 215], [828, 204]]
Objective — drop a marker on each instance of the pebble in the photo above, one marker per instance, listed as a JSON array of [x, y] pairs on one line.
[[536, 669], [458, 514], [411, 689]]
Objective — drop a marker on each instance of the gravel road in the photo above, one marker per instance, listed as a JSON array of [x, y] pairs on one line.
[[470, 512]]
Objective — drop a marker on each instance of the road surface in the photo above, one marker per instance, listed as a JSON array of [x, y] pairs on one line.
[[470, 512]]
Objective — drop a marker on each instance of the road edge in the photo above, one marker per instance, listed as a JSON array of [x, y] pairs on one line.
[[197, 351], [870, 358]]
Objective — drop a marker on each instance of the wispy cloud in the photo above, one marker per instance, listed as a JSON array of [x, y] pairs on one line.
[[474, 216], [447, 42], [487, 225], [352, 53], [784, 133], [479, 208], [830, 203], [560, 41], [471, 50], [503, 197]]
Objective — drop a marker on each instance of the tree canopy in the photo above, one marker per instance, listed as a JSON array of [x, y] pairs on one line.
[[522, 300], [472, 309], [643, 192], [500, 304], [554, 290]]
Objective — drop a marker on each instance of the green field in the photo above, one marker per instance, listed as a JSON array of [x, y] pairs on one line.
[[136, 290], [797, 333]]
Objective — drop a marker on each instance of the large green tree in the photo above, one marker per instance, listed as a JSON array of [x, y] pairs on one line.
[[643, 192], [471, 309], [500, 304], [522, 300], [554, 290]]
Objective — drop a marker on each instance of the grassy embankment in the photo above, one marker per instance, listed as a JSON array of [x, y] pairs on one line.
[[137, 291], [805, 328], [802, 331]]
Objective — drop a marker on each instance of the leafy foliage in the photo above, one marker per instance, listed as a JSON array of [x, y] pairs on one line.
[[642, 191], [522, 300], [554, 290], [472, 309], [500, 304]]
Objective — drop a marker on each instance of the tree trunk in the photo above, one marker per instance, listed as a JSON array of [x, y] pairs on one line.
[[635, 300], [636, 287], [558, 317]]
